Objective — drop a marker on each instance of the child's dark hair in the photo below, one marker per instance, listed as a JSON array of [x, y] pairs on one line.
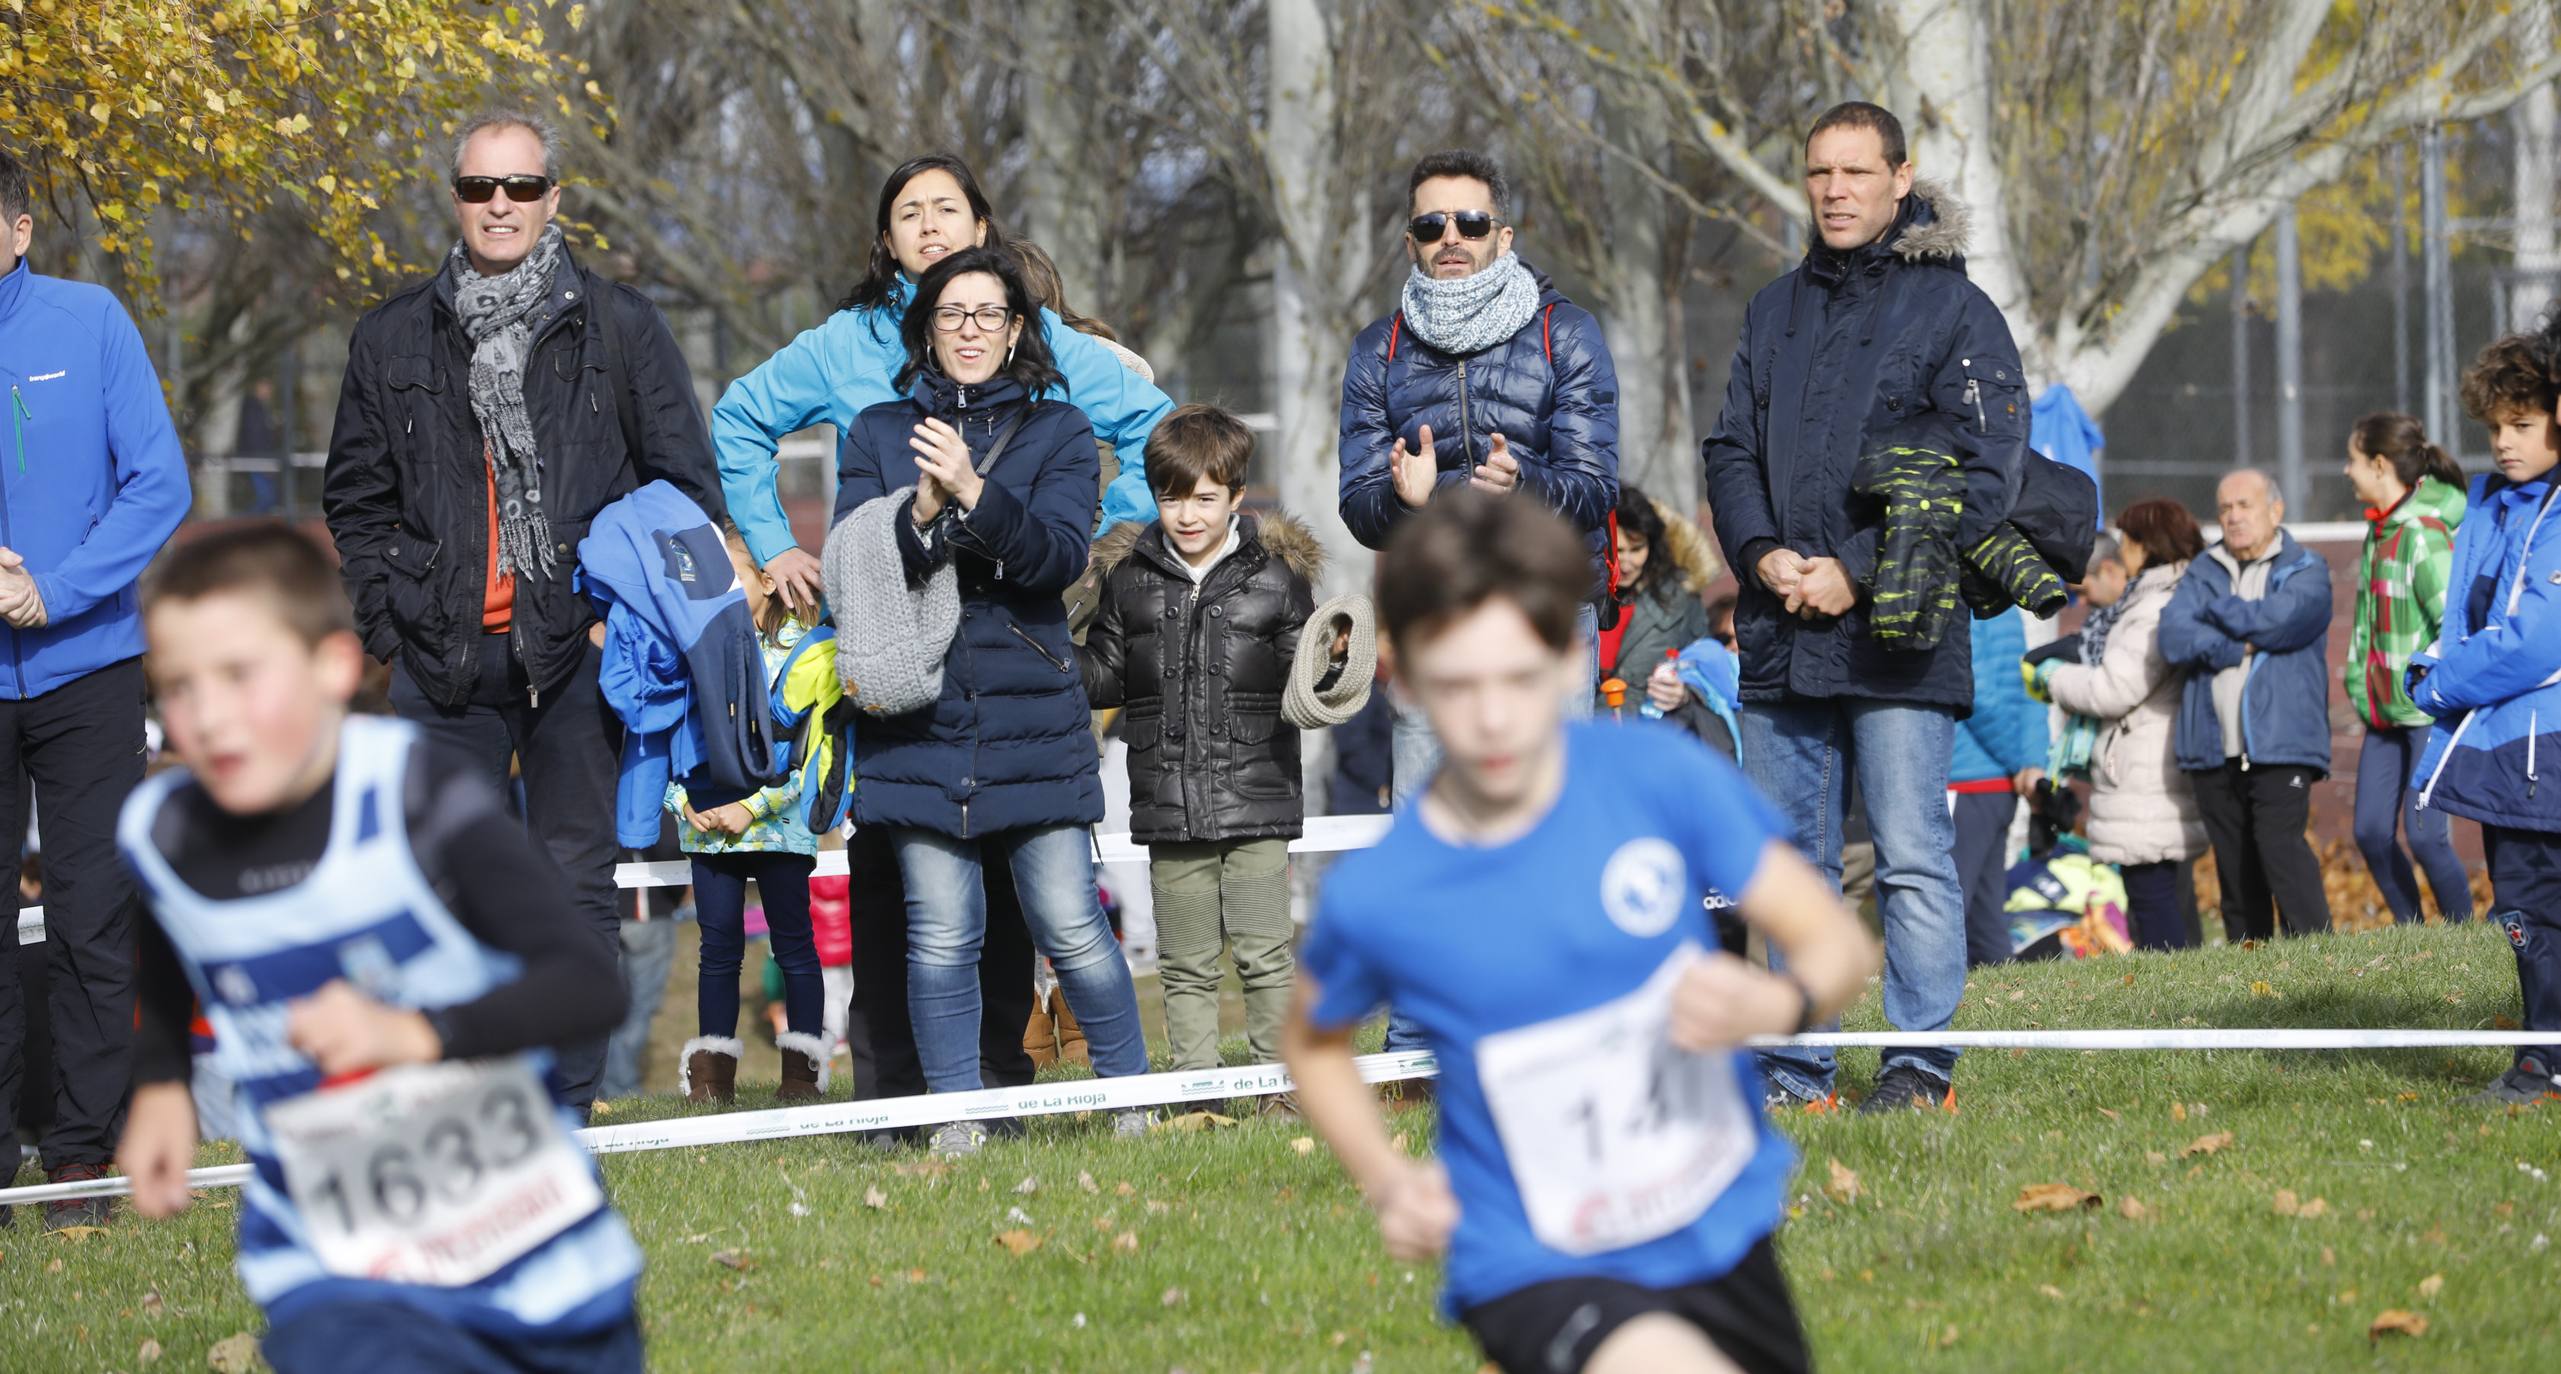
[[266, 558], [1637, 517], [1468, 547], [1031, 363], [2513, 376], [2402, 443], [1193, 442]]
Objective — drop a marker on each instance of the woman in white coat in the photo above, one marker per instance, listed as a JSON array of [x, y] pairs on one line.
[[2143, 818]]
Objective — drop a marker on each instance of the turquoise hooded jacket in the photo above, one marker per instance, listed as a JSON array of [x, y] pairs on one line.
[[843, 367]]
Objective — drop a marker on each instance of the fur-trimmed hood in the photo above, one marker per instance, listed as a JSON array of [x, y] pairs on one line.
[[1935, 225], [1282, 535]]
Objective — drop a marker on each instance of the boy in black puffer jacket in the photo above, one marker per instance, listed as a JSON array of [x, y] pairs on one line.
[[1196, 637]]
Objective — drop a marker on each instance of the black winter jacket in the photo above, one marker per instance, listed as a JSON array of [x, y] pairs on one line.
[[1200, 668], [407, 490], [1844, 347], [1009, 744], [1550, 390]]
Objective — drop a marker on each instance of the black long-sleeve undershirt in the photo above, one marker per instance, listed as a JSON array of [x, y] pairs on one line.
[[478, 859]]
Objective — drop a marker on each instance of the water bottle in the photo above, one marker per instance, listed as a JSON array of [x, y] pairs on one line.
[[1649, 710]]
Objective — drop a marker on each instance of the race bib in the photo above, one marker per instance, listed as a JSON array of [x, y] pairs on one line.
[[1616, 1137], [435, 1174]]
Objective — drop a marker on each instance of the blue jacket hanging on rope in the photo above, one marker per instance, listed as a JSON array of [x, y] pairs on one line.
[[680, 664]]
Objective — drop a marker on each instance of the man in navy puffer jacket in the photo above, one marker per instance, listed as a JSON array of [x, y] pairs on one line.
[[1875, 330], [1484, 375]]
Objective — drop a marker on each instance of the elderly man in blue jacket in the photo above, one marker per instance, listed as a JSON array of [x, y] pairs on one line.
[[1876, 330], [92, 483], [2250, 625], [1484, 376]]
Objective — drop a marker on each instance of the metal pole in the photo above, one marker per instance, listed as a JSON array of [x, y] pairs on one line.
[[2439, 290], [2241, 356], [2289, 363], [2400, 281]]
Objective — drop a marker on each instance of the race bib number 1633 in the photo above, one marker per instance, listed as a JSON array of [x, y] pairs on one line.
[[436, 1174], [1615, 1136]]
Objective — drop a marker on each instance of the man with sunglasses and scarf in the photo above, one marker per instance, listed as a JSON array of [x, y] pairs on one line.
[[1484, 376], [488, 413]]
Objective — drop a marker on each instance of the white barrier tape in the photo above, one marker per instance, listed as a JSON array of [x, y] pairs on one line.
[[1162, 1089], [886, 1114]]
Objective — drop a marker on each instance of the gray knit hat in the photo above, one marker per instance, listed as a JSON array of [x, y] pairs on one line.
[[1302, 704], [891, 636]]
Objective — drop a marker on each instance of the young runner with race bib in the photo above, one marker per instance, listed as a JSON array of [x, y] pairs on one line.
[[379, 950], [1606, 1186]]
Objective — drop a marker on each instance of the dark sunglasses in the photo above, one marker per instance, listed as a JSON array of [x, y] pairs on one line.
[[523, 189], [1472, 224]]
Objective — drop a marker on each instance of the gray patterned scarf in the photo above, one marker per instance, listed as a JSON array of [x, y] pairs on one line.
[[497, 314], [1471, 314]]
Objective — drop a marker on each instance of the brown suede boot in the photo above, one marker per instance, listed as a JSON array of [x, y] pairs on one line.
[[804, 1067], [1071, 1037], [1040, 1037], [709, 1068]]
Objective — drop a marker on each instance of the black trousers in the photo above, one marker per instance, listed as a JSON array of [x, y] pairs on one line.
[[2256, 817], [2525, 902], [2157, 901], [569, 750], [878, 1034], [79, 748], [1983, 872]]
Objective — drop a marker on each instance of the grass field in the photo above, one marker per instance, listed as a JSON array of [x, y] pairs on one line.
[[2349, 1185]]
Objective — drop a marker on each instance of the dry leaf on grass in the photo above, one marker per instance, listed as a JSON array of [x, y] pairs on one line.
[[1086, 1182], [1126, 1243], [2109, 1114], [2262, 988], [2129, 1209], [739, 1260], [1305, 1144], [2053, 1197], [1027, 1187], [236, 1353], [1019, 1243], [1196, 1121], [76, 1234], [2317, 1207], [2285, 1204], [2206, 1144], [875, 1199], [152, 1304], [1842, 1186], [148, 1354], [2178, 1111], [1123, 1189], [2394, 1321], [2050, 1291], [1173, 1298], [2432, 1285]]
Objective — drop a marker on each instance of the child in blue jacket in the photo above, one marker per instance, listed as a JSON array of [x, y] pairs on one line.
[[2491, 677]]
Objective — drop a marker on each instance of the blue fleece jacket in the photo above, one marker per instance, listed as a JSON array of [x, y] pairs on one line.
[[843, 367], [2006, 733], [92, 480], [681, 664], [2496, 665]]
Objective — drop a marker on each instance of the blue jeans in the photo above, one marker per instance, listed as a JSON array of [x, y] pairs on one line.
[[1414, 754], [1800, 753], [1053, 870], [2387, 810]]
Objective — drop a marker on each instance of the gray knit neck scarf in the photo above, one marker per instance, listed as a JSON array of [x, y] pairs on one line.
[[1471, 314], [497, 316]]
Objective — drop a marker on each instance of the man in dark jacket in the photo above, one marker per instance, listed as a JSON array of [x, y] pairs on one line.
[[92, 483], [2250, 625], [1484, 376], [1876, 327], [488, 413]]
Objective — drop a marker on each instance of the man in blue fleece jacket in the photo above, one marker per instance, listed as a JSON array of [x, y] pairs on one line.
[[92, 483]]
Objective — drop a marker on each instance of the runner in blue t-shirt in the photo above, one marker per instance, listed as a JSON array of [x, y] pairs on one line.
[[1606, 1186]]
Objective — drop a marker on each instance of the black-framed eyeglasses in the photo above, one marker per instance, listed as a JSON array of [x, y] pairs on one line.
[[523, 188], [991, 318], [1472, 224]]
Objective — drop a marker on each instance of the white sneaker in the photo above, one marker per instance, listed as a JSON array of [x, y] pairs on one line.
[[1129, 1123], [958, 1140]]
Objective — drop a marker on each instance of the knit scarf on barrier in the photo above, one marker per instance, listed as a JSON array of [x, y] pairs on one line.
[[497, 316], [1468, 315]]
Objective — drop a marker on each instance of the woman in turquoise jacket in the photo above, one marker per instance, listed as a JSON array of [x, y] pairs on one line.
[[930, 206]]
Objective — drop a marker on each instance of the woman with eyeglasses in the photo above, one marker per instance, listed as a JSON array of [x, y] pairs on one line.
[[992, 474], [930, 207]]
